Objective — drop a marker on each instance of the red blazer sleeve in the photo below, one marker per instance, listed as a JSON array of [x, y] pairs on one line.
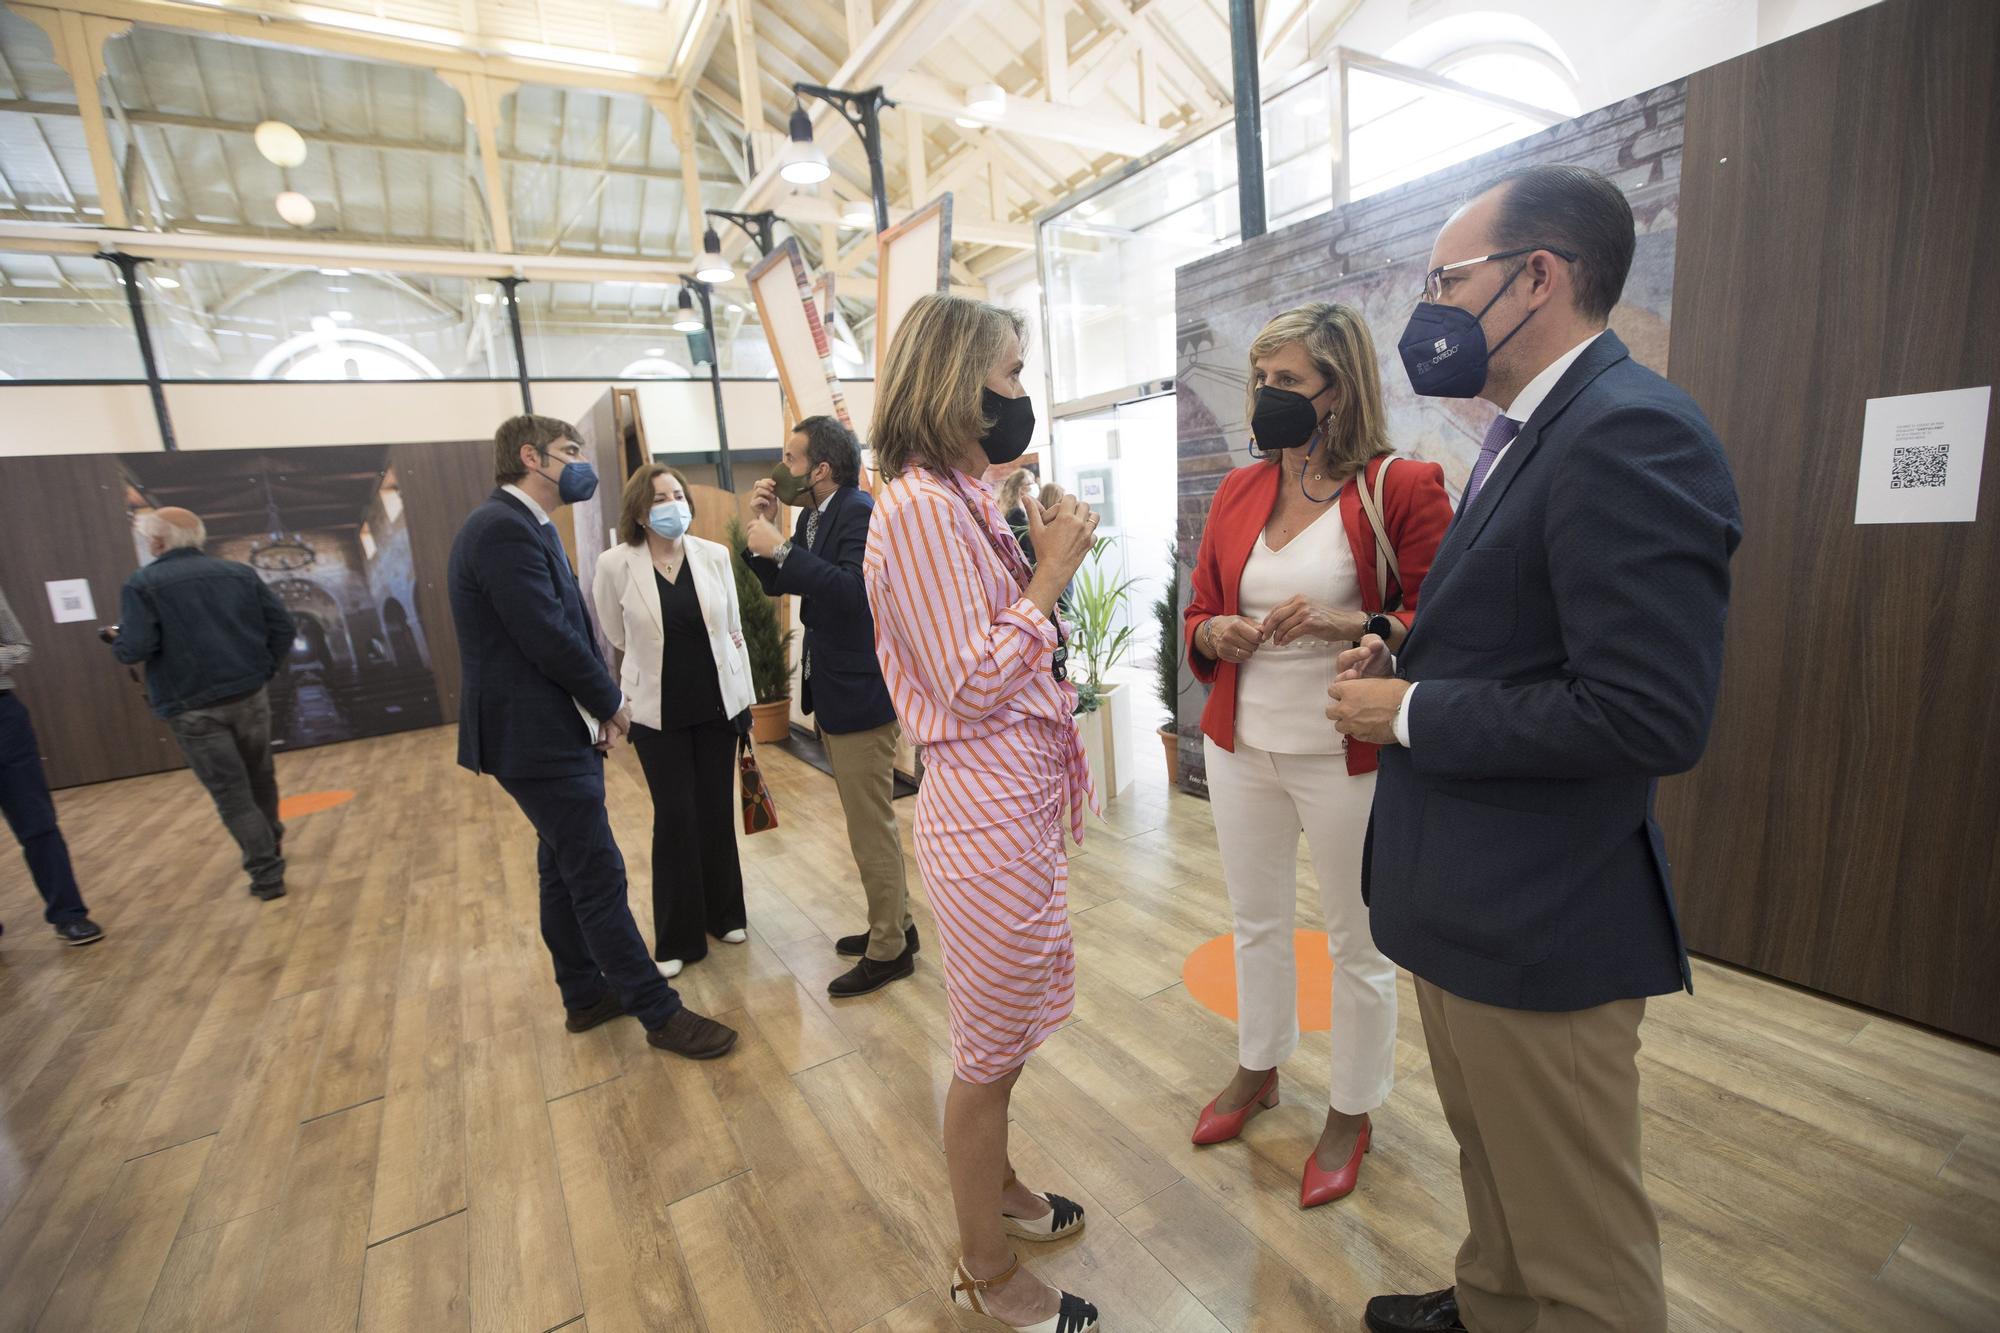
[[1205, 599], [1416, 510]]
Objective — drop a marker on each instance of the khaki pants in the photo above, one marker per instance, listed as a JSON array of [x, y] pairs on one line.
[[864, 770], [1545, 1107]]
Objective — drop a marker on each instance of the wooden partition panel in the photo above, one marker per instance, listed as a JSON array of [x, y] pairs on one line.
[[1837, 243], [63, 518]]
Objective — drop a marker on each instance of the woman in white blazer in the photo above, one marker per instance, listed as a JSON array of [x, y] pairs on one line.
[[667, 602]]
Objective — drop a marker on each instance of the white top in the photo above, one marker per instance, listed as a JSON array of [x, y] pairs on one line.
[[1281, 690], [1523, 407], [628, 607]]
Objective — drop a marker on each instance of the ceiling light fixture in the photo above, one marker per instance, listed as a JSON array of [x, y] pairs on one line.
[[802, 163], [857, 213], [656, 351], [988, 101], [336, 273], [296, 209], [484, 298], [968, 123], [687, 321], [165, 283], [712, 267], [281, 145]]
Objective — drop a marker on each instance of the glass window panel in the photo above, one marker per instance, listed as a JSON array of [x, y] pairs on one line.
[[45, 169], [64, 317], [625, 330], [1401, 131], [243, 321]]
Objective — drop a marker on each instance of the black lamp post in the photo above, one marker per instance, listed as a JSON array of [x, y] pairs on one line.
[[692, 290], [862, 110], [757, 226]]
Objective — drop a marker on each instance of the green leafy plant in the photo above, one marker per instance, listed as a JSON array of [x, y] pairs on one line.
[[1097, 596], [770, 668], [1167, 615]]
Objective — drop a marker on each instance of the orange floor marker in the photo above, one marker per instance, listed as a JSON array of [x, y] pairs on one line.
[[311, 803], [1210, 974]]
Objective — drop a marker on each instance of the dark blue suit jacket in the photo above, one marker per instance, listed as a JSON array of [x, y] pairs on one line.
[[846, 692], [526, 648], [1567, 655]]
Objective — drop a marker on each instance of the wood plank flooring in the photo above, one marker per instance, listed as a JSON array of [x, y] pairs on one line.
[[357, 1108]]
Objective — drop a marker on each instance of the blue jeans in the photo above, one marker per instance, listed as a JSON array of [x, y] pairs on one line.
[[24, 799], [586, 922]]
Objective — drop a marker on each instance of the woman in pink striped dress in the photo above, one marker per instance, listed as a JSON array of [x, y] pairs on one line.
[[974, 661]]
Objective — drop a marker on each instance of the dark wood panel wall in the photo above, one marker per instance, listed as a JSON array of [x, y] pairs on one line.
[[1837, 243], [63, 518]]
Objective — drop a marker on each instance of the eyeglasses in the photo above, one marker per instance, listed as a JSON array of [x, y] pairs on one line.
[[1438, 281]]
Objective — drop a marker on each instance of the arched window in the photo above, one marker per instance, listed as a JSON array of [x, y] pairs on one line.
[[1401, 129], [332, 353]]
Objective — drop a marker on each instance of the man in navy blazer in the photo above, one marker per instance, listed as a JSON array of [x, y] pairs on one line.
[[531, 673], [842, 680], [1566, 657]]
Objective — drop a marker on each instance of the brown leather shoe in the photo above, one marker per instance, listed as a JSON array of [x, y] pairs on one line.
[[688, 1033], [606, 1009]]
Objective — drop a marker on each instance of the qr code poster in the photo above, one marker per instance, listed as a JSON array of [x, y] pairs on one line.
[[69, 600], [1921, 455]]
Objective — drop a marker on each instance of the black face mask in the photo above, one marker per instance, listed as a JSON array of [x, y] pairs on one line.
[[1282, 419], [1444, 346], [1013, 426]]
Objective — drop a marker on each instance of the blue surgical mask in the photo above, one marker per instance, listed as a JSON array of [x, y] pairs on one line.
[[670, 518], [576, 483], [1444, 347]]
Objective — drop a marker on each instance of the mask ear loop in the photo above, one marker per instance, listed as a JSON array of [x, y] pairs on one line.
[[1313, 442]]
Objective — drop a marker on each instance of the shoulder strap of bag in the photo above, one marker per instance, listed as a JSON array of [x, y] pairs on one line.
[[1386, 566]]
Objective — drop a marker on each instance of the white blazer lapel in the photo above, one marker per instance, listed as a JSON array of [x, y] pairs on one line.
[[639, 569]]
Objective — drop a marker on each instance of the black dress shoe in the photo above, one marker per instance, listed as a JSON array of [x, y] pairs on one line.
[[85, 931], [869, 975], [1436, 1312], [606, 1009], [268, 891], [856, 946], [688, 1033]]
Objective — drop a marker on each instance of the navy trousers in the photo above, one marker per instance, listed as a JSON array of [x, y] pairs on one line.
[[586, 922], [24, 798]]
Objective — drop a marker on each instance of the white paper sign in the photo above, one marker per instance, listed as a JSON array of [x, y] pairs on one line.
[[69, 599], [1920, 457]]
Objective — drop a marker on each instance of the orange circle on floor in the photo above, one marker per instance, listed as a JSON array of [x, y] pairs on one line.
[[1210, 974], [311, 803]]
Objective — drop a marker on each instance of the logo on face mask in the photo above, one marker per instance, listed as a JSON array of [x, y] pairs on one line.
[[1440, 346]]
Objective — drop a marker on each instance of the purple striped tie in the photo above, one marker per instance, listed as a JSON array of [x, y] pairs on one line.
[[1498, 436]]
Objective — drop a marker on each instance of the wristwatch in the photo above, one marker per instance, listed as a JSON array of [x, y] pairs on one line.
[[778, 556], [1378, 624]]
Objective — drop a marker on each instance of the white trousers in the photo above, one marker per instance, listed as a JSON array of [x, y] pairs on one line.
[[1261, 801]]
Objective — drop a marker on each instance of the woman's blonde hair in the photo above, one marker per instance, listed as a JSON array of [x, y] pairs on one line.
[[635, 505], [927, 405], [1015, 488], [1336, 340]]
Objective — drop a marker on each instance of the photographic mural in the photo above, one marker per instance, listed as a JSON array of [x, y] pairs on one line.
[[326, 528], [1372, 254]]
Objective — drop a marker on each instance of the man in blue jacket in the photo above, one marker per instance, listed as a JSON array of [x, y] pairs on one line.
[[538, 711], [1566, 657], [821, 473], [212, 634]]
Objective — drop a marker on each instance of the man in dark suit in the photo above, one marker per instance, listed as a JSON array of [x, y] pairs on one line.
[[821, 473], [538, 711], [1565, 658]]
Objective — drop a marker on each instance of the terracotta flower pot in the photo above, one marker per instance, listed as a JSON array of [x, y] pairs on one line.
[[771, 722], [1171, 738]]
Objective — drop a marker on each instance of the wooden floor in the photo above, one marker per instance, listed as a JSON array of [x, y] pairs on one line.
[[358, 1107]]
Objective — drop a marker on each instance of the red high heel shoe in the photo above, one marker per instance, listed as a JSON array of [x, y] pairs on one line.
[[1317, 1187], [1217, 1127]]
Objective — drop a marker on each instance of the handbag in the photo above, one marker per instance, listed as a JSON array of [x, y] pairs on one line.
[[760, 812], [1386, 567]]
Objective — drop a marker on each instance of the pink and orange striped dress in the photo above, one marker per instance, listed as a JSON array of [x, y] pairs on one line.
[[968, 661]]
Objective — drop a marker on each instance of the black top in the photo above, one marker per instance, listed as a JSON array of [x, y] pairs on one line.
[[690, 693]]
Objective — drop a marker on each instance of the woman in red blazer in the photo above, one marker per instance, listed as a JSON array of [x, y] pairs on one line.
[[1287, 576]]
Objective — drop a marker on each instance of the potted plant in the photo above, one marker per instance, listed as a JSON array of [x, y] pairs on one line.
[[1167, 663], [1097, 600], [769, 650]]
